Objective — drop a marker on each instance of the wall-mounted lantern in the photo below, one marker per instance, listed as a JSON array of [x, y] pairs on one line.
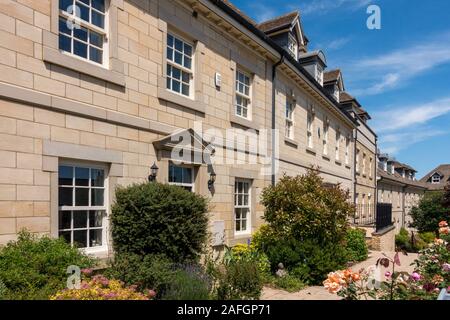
[[153, 172], [212, 179]]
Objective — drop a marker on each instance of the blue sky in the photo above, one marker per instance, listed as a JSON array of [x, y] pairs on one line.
[[400, 74]]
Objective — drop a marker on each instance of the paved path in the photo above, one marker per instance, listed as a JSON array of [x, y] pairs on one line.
[[319, 293]]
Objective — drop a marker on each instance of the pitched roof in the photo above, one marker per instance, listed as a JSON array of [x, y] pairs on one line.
[[344, 97], [331, 76], [384, 175], [242, 14], [444, 171], [279, 23]]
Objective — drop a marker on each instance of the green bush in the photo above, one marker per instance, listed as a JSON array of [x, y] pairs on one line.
[[152, 272], [430, 211], [410, 242], [239, 280], [154, 218], [35, 268], [189, 283], [250, 253], [289, 283], [356, 245], [427, 237]]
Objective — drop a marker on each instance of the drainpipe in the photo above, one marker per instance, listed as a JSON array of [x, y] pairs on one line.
[[274, 72], [375, 169], [355, 138]]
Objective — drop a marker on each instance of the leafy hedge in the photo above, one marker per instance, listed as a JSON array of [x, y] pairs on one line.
[[154, 218], [35, 268], [356, 245]]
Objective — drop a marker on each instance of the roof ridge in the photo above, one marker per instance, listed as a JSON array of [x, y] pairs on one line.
[[279, 17]]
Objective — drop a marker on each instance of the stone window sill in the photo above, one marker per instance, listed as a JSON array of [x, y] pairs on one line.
[[290, 142], [195, 105], [326, 157], [310, 150], [243, 122], [339, 163], [54, 56]]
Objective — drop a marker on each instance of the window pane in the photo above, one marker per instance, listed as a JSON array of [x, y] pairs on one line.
[[168, 83], [82, 197], [176, 73], [177, 174], [65, 43], [99, 5], [97, 19], [185, 77], [80, 219], [80, 33], [95, 238], [187, 175], [97, 177], [81, 176], [63, 28], [187, 50], [170, 40], [80, 49], [169, 70], [65, 4], [95, 55], [238, 225], [185, 89], [169, 54], [178, 57], [80, 238], [65, 175], [65, 197], [178, 45], [96, 39], [82, 12], [243, 225], [187, 62], [97, 197], [65, 218], [176, 86], [95, 219], [66, 235]]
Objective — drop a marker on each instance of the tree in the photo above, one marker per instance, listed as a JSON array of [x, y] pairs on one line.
[[430, 211], [446, 197]]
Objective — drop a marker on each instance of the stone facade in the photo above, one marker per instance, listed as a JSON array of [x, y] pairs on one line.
[[60, 110]]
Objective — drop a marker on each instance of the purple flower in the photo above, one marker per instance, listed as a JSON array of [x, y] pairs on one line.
[[415, 276], [87, 271], [446, 267], [387, 274]]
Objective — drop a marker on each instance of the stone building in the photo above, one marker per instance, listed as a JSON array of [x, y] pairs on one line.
[[93, 93], [397, 185], [438, 178]]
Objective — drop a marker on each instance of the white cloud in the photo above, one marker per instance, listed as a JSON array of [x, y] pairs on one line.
[[325, 6], [337, 43], [404, 117], [395, 142], [392, 69]]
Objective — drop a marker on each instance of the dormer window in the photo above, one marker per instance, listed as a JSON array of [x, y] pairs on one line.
[[293, 46], [319, 74], [436, 178]]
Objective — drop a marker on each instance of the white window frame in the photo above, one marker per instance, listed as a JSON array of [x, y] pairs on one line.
[[293, 46], [190, 185], [357, 160], [326, 130], [242, 95], [171, 64], [310, 129], [248, 206], [347, 150], [370, 167], [105, 207], [338, 145], [364, 164], [435, 179], [319, 74], [289, 118], [80, 22]]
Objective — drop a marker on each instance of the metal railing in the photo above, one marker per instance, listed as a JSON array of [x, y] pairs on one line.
[[383, 216], [364, 215]]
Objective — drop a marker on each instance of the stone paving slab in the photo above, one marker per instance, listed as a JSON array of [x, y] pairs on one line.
[[319, 292]]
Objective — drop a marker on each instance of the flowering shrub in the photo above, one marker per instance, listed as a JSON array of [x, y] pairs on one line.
[[248, 252], [432, 273], [101, 288]]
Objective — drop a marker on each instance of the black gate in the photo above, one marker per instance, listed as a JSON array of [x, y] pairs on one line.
[[384, 216]]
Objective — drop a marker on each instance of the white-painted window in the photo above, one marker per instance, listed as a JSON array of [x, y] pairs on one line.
[[181, 176], [319, 75], [357, 160], [242, 206], [83, 29], [326, 128], [289, 115], [370, 167], [243, 93], [347, 150], [82, 205], [292, 46], [309, 129], [338, 145], [179, 73], [435, 179], [364, 164]]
